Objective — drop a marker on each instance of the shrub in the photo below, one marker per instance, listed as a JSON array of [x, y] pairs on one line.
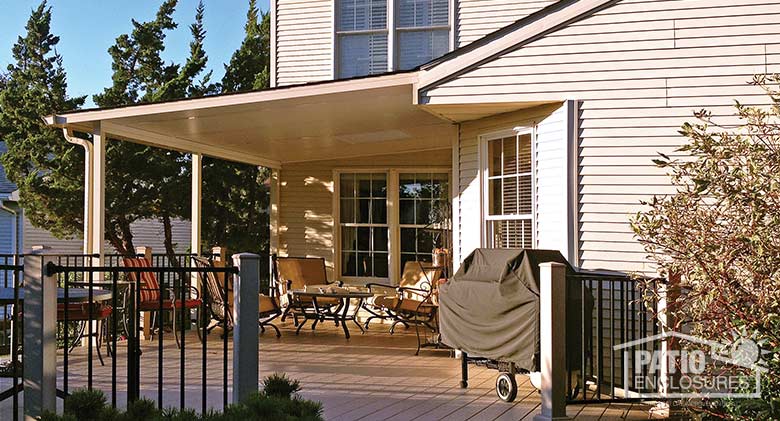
[[717, 239], [277, 401], [280, 385]]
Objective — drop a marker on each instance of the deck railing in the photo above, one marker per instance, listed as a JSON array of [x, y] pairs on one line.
[[97, 316]]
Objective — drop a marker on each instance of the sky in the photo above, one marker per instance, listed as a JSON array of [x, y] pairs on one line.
[[87, 28]]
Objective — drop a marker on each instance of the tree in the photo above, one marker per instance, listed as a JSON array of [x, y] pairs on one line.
[[235, 195], [48, 171], [717, 237], [149, 182]]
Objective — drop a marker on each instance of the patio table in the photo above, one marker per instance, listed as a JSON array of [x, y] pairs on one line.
[[340, 315]]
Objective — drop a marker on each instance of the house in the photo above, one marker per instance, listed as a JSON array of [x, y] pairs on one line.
[[533, 122], [18, 235]]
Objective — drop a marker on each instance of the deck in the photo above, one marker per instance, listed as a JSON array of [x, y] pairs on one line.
[[374, 376]]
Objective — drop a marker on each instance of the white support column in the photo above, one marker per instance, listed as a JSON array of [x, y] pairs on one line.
[[552, 323], [40, 337], [97, 230], [197, 186], [274, 211], [246, 290]]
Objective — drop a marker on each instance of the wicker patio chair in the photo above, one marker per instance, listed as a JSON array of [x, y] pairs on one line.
[[411, 302]]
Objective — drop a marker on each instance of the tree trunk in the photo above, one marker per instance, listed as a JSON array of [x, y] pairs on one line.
[[168, 231]]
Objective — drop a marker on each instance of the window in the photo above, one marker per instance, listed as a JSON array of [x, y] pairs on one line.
[[509, 204], [423, 31], [364, 228], [361, 32], [376, 244], [424, 213], [420, 33]]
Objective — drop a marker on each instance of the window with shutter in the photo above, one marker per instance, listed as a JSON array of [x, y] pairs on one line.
[[509, 204], [420, 33]]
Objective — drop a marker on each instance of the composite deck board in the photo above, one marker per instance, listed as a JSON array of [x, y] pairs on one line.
[[374, 376]]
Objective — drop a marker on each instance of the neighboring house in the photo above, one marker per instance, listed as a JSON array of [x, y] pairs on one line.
[[17, 234], [535, 121]]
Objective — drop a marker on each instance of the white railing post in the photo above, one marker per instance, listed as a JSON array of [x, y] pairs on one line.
[[246, 288], [40, 337], [552, 300]]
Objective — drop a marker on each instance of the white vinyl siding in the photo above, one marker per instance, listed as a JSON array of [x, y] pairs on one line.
[[303, 41], [477, 18], [306, 216], [639, 70], [551, 224]]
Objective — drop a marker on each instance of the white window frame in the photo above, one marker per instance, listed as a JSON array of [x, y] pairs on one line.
[[484, 162], [391, 31], [394, 227]]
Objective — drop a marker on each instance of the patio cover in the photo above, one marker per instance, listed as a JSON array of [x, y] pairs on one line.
[[490, 308]]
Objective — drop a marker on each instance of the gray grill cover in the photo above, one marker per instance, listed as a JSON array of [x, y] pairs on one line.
[[490, 308]]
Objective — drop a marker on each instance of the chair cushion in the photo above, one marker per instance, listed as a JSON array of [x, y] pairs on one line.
[[80, 311], [416, 274], [268, 304], [150, 287], [168, 304], [406, 305], [301, 271]]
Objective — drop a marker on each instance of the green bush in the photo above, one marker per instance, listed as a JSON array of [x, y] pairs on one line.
[[277, 401]]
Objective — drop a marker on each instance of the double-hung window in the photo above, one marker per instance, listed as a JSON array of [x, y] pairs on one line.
[[509, 191], [424, 214], [386, 219], [422, 31], [361, 36], [419, 30], [364, 227]]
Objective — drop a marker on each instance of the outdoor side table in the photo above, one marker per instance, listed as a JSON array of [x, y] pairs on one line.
[[340, 315]]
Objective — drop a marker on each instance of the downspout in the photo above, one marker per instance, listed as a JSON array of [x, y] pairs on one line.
[[87, 145], [14, 241]]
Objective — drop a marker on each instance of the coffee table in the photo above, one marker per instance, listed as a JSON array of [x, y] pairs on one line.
[[302, 300]]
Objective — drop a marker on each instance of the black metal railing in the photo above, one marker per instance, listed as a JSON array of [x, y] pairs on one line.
[[10, 331], [614, 311], [130, 294]]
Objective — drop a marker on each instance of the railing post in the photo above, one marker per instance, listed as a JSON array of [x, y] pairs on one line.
[[246, 288], [552, 300], [40, 337]]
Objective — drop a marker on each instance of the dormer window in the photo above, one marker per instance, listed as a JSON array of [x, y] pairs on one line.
[[421, 32]]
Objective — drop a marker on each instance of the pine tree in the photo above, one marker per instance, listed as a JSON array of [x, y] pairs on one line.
[[149, 182], [48, 171], [236, 195]]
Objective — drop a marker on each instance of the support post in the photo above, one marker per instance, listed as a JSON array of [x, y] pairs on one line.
[[273, 220], [40, 341], [552, 300], [146, 252], [197, 186], [246, 289], [97, 231]]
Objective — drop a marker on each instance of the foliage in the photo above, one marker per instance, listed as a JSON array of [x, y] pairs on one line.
[[235, 195], [147, 182], [48, 171], [719, 235], [280, 385], [91, 405]]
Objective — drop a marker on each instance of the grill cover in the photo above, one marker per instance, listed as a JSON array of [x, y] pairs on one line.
[[490, 308]]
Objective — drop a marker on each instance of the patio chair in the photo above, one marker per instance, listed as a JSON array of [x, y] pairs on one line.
[[150, 291], [291, 273], [411, 302], [220, 300], [79, 318]]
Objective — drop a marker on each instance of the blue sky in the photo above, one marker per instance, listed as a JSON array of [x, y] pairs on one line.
[[87, 28]]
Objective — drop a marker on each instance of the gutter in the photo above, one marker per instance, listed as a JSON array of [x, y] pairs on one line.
[[88, 196]]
